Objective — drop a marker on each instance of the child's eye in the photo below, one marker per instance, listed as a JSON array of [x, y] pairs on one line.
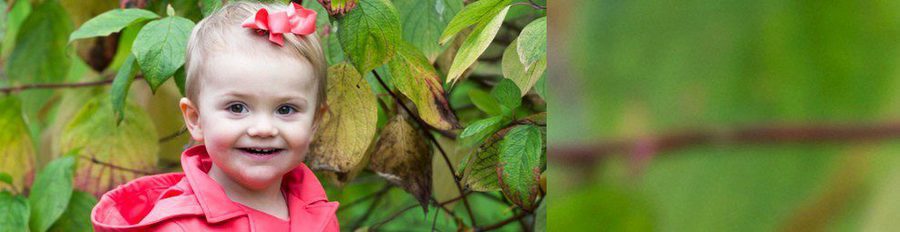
[[286, 110], [237, 108]]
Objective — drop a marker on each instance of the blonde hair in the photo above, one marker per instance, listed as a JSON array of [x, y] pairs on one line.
[[213, 34]]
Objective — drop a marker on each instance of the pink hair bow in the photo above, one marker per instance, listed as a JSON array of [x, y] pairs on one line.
[[296, 19]]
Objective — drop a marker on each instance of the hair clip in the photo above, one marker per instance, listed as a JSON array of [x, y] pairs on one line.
[[296, 20]]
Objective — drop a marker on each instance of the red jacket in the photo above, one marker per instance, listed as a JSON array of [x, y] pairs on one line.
[[192, 201]]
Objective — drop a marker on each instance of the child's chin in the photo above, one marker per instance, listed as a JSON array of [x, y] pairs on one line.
[[259, 180]]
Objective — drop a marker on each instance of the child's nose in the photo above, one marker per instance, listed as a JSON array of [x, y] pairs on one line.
[[262, 128]]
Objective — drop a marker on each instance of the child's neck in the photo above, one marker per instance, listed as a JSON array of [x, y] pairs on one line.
[[269, 200]]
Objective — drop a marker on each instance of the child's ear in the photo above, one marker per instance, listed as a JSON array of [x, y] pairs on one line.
[[191, 118]]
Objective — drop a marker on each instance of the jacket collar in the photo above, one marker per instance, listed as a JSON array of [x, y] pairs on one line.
[[308, 205]]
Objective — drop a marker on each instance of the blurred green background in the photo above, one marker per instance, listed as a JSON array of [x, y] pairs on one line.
[[631, 70]]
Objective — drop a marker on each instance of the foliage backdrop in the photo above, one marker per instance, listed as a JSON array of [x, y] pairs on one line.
[[641, 70], [432, 105]]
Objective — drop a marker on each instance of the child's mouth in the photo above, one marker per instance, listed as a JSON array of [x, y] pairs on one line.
[[260, 151]]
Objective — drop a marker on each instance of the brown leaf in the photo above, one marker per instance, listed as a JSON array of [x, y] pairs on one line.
[[403, 157]]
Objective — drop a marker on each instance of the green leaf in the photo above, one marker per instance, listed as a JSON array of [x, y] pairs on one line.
[[348, 127], [369, 34], [123, 50], [110, 22], [77, 215], [120, 86], [540, 217], [541, 87], [13, 213], [180, 78], [131, 145], [532, 45], [50, 193], [480, 172], [39, 55], [481, 129], [417, 79], [474, 45], [14, 19], [507, 94], [160, 48], [514, 70], [519, 166], [209, 7], [16, 148], [423, 22], [475, 13], [485, 102], [3, 19], [6, 178]]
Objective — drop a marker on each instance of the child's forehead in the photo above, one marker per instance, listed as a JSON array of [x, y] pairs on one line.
[[242, 69]]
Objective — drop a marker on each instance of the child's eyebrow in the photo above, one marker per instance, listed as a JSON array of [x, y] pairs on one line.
[[284, 98]]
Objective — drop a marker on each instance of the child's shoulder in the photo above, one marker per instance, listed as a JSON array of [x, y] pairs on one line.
[[143, 202]]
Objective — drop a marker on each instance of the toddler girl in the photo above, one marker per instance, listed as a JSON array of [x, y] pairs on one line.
[[255, 86]]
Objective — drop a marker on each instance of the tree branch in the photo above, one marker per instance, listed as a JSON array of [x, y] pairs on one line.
[[113, 166], [400, 212], [424, 125], [498, 225], [378, 196], [12, 89], [588, 154], [173, 135], [530, 3], [364, 198]]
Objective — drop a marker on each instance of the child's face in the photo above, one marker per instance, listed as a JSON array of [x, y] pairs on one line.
[[255, 116]]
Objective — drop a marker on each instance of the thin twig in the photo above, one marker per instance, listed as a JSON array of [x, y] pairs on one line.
[[173, 135], [530, 3], [400, 212], [364, 198], [503, 223], [588, 154], [113, 166], [12, 89], [378, 197], [422, 124], [434, 221]]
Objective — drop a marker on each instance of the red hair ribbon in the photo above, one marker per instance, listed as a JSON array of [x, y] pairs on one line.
[[296, 20]]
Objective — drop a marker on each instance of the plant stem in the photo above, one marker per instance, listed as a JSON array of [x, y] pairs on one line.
[[113, 166], [587, 154], [12, 89], [173, 135], [364, 198], [498, 225], [422, 124], [400, 212], [378, 197]]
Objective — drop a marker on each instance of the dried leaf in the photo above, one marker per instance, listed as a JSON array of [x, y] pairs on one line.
[[403, 157]]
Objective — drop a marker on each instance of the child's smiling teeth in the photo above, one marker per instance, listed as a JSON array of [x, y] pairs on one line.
[[260, 151]]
